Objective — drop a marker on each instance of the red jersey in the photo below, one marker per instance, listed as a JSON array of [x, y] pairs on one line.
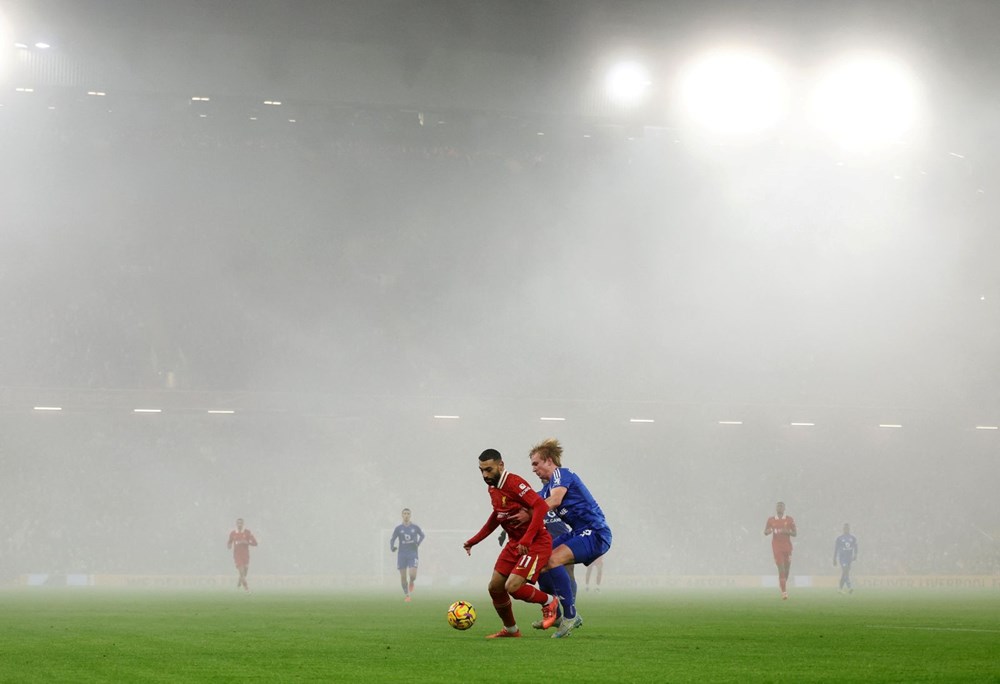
[[510, 495], [781, 529], [240, 543]]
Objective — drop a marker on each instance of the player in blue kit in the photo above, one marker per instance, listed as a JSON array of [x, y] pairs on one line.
[[589, 536], [409, 536], [845, 552]]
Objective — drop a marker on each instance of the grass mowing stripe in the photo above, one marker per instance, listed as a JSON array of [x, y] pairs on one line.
[[91, 635], [938, 629]]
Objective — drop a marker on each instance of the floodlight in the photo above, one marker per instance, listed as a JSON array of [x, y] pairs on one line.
[[866, 100], [628, 84], [733, 91]]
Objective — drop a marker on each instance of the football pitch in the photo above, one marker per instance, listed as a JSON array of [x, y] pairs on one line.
[[93, 635]]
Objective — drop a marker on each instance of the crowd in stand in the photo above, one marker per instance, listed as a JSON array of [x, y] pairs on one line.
[[92, 492]]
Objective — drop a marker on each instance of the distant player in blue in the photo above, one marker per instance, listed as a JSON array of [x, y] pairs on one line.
[[409, 537], [589, 536], [845, 552]]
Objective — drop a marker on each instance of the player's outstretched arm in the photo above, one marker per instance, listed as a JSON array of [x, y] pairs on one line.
[[491, 524]]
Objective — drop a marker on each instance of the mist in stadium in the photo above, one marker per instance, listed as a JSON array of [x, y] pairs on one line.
[[301, 262]]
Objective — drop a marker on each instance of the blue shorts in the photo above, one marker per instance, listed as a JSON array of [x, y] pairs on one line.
[[586, 545], [845, 562], [406, 560]]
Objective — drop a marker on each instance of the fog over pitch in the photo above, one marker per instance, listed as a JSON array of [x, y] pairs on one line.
[[336, 221]]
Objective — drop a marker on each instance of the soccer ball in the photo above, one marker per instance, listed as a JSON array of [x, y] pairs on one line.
[[461, 615]]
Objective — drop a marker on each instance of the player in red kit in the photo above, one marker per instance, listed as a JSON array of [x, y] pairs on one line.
[[781, 527], [528, 544], [240, 541]]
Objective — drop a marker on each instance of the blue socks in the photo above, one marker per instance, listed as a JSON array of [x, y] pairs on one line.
[[556, 581]]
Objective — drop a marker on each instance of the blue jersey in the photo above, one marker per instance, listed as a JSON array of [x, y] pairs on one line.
[[578, 509], [554, 524], [409, 537], [845, 549]]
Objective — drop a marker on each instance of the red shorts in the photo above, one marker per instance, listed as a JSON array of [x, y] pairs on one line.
[[529, 565], [242, 560], [782, 556]]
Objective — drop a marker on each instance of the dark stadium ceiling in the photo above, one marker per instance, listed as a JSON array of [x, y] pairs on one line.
[[517, 26]]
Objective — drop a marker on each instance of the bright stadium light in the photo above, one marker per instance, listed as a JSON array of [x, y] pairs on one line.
[[866, 100], [627, 84], [733, 92]]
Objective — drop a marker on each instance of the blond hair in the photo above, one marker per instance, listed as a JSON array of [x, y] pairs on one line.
[[549, 450]]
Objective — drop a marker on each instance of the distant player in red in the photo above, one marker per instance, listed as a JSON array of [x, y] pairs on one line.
[[781, 527], [240, 541], [527, 549]]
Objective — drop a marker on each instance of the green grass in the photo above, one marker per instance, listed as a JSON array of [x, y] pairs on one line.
[[91, 635]]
